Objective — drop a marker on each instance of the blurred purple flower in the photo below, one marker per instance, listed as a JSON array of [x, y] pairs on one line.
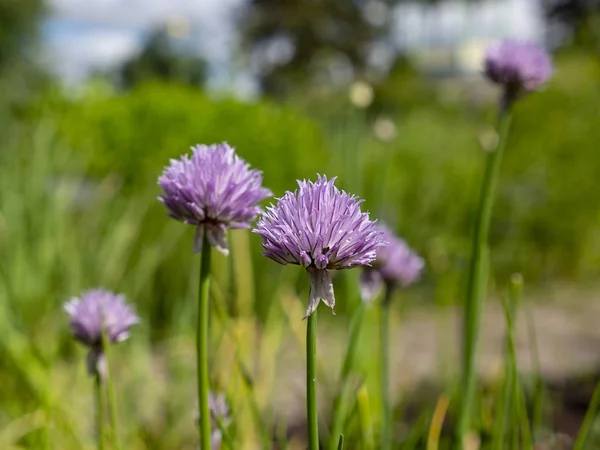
[[217, 404], [320, 228], [213, 190], [97, 310], [520, 67], [219, 410], [396, 265]]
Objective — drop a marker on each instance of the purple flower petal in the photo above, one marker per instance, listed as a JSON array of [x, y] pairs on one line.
[[321, 288]]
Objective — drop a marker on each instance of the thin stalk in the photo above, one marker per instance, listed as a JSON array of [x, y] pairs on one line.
[[339, 402], [366, 424], [311, 382], [202, 347], [246, 377], [538, 396], [225, 436], [281, 434], [503, 410], [386, 410], [112, 404], [588, 420], [47, 407], [520, 420], [477, 275], [435, 429], [526, 438], [265, 437], [99, 410]]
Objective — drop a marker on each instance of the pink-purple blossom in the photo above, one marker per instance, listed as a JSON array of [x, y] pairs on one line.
[[396, 265], [213, 190], [95, 312], [520, 67], [320, 228]]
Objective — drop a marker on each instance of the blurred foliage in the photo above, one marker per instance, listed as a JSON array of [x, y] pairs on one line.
[[21, 76], [161, 59], [295, 44], [134, 135], [579, 21], [18, 26]]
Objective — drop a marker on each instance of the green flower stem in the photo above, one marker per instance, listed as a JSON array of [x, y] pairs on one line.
[[112, 404], [339, 402], [341, 443], [99, 410], [588, 420], [202, 347], [311, 382], [477, 275], [384, 337]]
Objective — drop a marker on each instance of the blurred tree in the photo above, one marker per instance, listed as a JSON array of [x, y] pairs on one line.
[[577, 20], [162, 59], [18, 27], [295, 43], [21, 76]]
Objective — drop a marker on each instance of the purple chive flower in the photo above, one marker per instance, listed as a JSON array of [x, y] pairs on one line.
[[213, 190], [217, 404], [219, 409], [97, 310], [520, 67], [320, 228], [396, 266]]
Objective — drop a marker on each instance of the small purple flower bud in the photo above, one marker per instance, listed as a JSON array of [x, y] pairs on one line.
[[213, 190], [320, 228], [520, 67], [96, 311], [396, 265]]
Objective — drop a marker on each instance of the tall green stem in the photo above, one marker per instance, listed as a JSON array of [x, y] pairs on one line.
[[311, 382], [386, 410], [339, 402], [477, 276], [588, 420], [112, 404], [99, 410], [202, 347]]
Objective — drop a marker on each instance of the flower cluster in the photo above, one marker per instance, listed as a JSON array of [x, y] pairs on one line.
[[98, 311], [320, 228], [213, 190], [520, 67], [396, 265]]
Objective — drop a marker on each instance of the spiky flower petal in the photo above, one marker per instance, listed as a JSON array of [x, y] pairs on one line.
[[320, 228], [396, 265], [213, 190]]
